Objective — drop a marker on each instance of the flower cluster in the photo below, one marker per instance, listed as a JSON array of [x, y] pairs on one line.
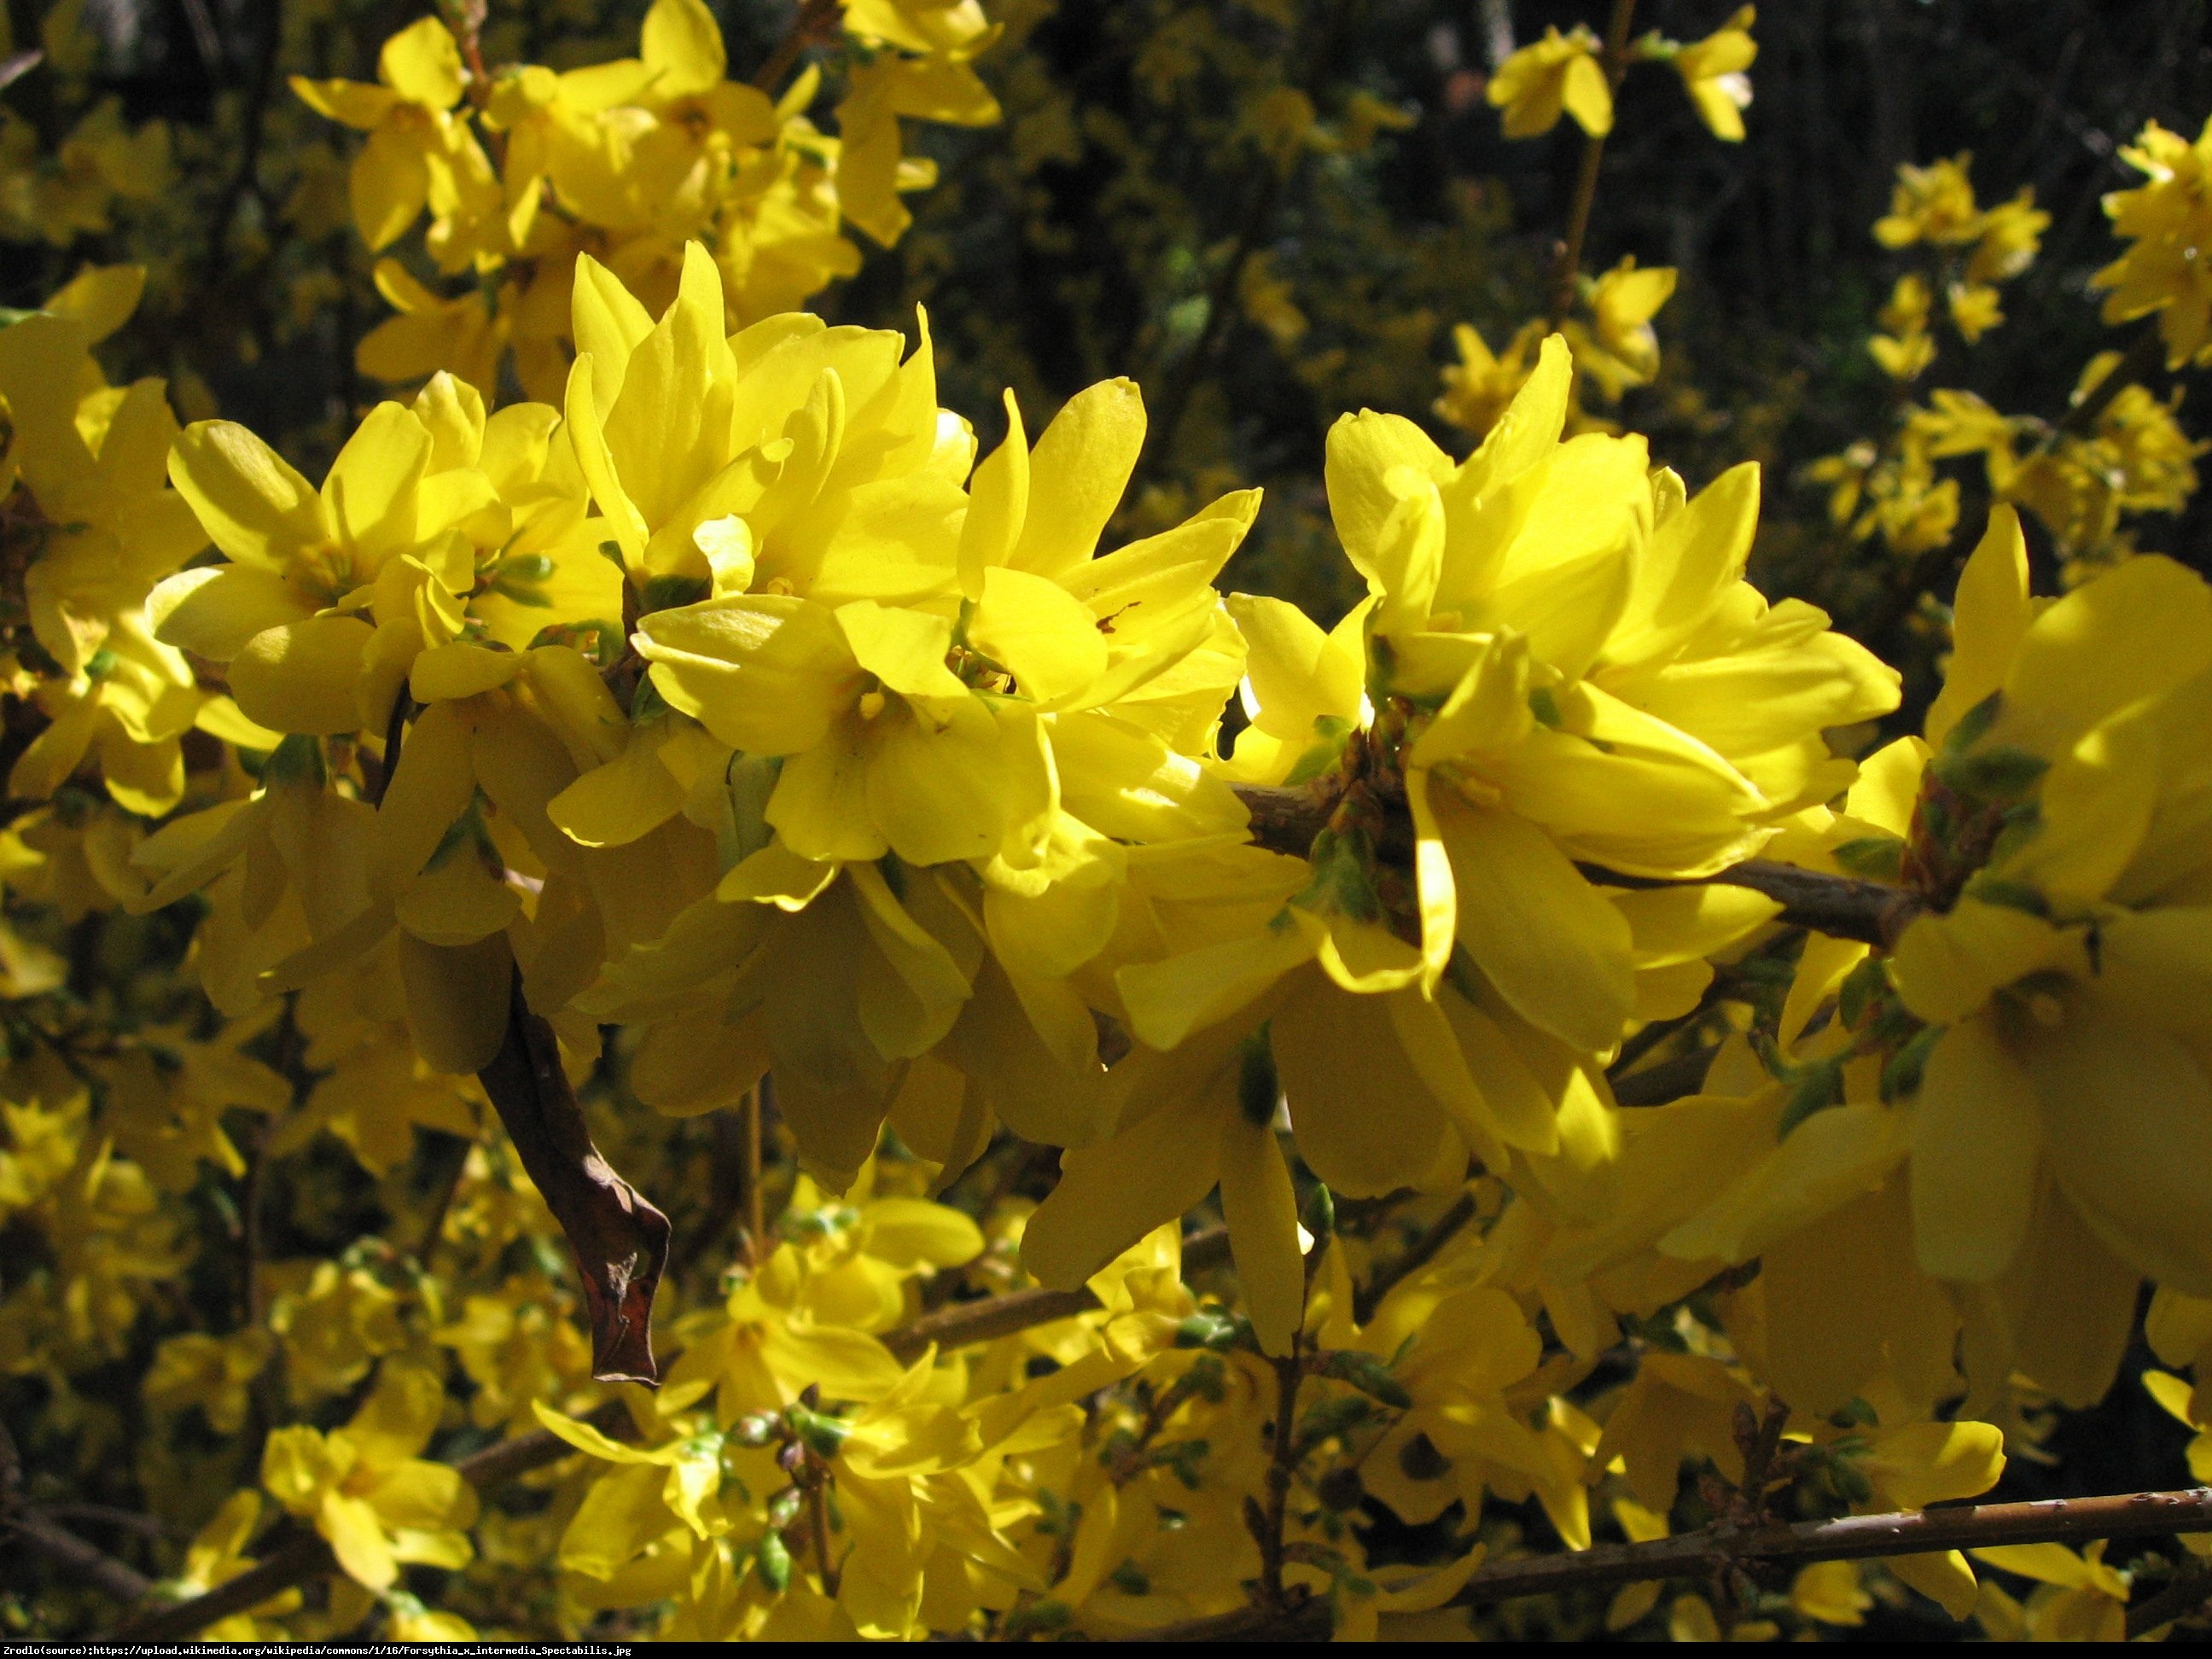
[[521, 168], [1180, 1116]]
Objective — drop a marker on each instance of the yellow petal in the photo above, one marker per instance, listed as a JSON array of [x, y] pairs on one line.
[[1990, 615], [457, 1000], [1080, 467], [247, 498], [1976, 1143], [2137, 630], [764, 672], [1042, 634], [422, 64], [460, 671], [1261, 1209], [1556, 950], [301, 677], [998, 505], [683, 46], [213, 611]]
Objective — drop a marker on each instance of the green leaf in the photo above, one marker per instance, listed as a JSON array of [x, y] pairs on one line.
[[1877, 858], [2000, 773]]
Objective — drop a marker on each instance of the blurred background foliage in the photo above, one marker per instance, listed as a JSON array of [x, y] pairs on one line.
[[1267, 212], [1157, 204]]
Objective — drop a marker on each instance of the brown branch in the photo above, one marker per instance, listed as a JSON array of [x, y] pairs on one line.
[[1613, 60], [2184, 1595], [1417, 1255], [1282, 1464], [620, 1240], [1664, 1080], [302, 1556], [1721, 1549], [2145, 357], [966, 1323], [1286, 820], [817, 21], [86, 1563]]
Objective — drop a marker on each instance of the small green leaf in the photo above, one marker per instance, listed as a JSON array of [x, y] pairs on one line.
[[666, 592], [1999, 773], [774, 1560], [1901, 1076], [1877, 858], [1820, 1086]]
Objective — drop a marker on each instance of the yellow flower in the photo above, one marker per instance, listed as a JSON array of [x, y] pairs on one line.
[[465, 335], [334, 1325], [418, 153], [2167, 223], [1482, 385], [1907, 348], [2012, 234], [1712, 71], [766, 1347], [1559, 72], [2062, 973], [211, 1372], [1932, 203], [217, 1555], [2078, 1597], [286, 613], [366, 1489], [1621, 350], [1974, 309]]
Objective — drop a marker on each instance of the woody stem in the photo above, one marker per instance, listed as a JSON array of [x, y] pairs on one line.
[[1613, 61]]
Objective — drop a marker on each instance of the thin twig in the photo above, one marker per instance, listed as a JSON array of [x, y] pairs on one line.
[[1282, 1464], [966, 1323], [1417, 1255], [1664, 1080], [88, 1563], [817, 1522], [817, 21], [1719, 1549], [1613, 61], [2144, 358], [1286, 820], [2187, 1592], [255, 121], [303, 1555], [758, 1099]]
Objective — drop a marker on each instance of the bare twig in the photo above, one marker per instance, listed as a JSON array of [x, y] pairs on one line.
[[89, 1563], [1261, 196], [2144, 358], [968, 1322], [270, 19], [1721, 1549], [1613, 61], [1286, 820], [2186, 1593], [817, 21], [1417, 1255], [1664, 1080], [620, 1240], [303, 1555], [1282, 1464]]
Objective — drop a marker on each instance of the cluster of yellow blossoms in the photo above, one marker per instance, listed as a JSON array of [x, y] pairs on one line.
[[2120, 453], [521, 168], [1615, 347], [1597, 1074]]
